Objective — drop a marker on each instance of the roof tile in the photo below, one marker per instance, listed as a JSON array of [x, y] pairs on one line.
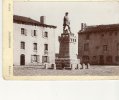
[[29, 21]]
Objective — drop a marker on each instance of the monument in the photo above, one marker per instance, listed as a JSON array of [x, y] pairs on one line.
[[67, 58]]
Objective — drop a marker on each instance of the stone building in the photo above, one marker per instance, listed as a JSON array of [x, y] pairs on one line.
[[34, 42], [99, 44]]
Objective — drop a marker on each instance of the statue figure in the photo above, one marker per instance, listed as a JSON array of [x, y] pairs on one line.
[[66, 23]]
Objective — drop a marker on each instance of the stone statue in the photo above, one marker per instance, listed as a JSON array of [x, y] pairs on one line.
[[66, 24]]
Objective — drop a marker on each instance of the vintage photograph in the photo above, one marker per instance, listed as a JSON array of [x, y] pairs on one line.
[[65, 38]]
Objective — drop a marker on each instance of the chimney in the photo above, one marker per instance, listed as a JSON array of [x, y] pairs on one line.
[[83, 26], [42, 19]]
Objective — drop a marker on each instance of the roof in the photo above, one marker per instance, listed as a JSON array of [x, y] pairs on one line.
[[29, 21], [100, 28]]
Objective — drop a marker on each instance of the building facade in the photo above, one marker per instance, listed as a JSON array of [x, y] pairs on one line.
[[99, 44], [34, 42]]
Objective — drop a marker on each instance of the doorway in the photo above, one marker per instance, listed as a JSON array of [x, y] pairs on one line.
[[22, 59]]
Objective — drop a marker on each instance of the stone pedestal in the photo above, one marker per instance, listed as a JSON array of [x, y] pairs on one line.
[[67, 63], [49, 66], [67, 58]]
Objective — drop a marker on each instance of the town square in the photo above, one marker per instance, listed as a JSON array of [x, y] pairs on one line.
[[71, 46]]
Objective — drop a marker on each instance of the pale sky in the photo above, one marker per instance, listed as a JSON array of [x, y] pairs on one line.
[[91, 13]]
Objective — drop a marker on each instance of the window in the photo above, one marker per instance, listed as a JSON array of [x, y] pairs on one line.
[[86, 47], [34, 58], [117, 58], [46, 34], [109, 59], [34, 33], [105, 47], [46, 46], [23, 31], [35, 46], [94, 57], [73, 40], [22, 45], [45, 59]]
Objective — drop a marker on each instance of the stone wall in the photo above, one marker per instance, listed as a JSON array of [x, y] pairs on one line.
[[96, 50]]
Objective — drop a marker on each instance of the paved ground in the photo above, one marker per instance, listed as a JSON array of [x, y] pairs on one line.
[[93, 70]]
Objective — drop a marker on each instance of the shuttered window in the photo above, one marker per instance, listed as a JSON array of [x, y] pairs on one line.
[[34, 58], [46, 34], [45, 59], [22, 45], [23, 31], [105, 47]]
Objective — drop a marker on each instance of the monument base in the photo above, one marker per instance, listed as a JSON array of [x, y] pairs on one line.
[[67, 63]]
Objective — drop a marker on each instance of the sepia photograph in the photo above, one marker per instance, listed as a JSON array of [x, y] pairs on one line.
[[59, 50], [65, 38]]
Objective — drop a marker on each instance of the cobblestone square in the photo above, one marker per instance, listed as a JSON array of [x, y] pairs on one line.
[[95, 70]]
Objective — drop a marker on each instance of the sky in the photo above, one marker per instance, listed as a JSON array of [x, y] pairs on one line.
[[91, 13]]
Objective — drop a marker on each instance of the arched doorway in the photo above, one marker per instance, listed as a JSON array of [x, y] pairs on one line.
[[22, 59]]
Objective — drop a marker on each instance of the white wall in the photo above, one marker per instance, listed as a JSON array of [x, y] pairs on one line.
[[29, 40]]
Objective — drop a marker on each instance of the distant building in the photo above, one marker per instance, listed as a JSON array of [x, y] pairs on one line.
[[99, 44], [34, 41]]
